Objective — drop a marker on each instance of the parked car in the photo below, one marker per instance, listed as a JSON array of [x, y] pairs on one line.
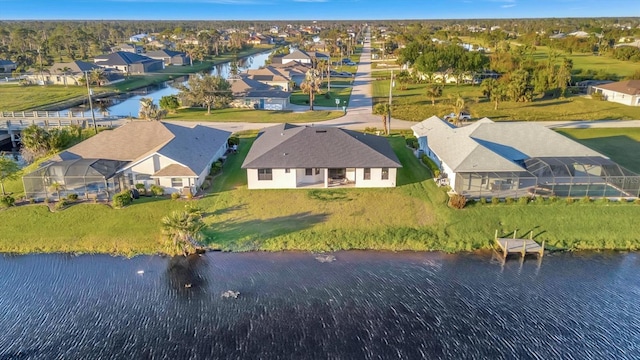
[[342, 74], [463, 117], [348, 62]]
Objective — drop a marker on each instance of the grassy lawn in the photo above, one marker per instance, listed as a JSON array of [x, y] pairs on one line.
[[412, 216], [622, 145], [20, 98], [300, 98], [412, 104], [256, 116]]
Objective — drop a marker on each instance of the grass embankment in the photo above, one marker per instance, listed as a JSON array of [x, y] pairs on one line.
[[255, 116], [17, 97], [412, 104], [412, 216]]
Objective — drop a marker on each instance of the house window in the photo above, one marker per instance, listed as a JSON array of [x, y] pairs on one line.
[[367, 173], [176, 182], [265, 174], [308, 171], [385, 173], [286, 171]]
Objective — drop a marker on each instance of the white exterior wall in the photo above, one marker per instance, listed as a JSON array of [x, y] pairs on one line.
[[620, 98], [165, 182], [310, 179], [376, 178], [280, 179], [450, 174]]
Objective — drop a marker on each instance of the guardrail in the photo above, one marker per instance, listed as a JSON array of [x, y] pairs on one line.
[[51, 114]]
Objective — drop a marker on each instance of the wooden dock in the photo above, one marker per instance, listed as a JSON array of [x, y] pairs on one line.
[[519, 246]]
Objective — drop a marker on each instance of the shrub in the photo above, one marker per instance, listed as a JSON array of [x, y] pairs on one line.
[[569, 200], [175, 196], [495, 201], [483, 201], [62, 204], [122, 199], [412, 142], [585, 200], [72, 197], [157, 190], [604, 200], [524, 200], [216, 167], [435, 170], [189, 195], [32, 201], [508, 200], [140, 186], [457, 201], [371, 130], [539, 200], [7, 201], [554, 199], [234, 140], [636, 201]]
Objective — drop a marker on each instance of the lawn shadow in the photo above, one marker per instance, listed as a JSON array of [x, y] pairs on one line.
[[549, 103], [251, 234], [226, 210]]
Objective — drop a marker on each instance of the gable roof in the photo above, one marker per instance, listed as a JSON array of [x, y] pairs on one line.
[[629, 87], [164, 53], [301, 54], [266, 74], [489, 146], [291, 146], [121, 58], [189, 146], [75, 67], [247, 87]]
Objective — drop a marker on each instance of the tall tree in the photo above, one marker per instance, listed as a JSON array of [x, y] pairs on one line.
[[150, 111], [384, 110], [458, 106], [207, 90], [311, 85], [433, 91], [8, 171]]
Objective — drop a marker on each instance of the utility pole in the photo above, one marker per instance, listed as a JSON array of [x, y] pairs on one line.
[[329, 75], [390, 101], [93, 116]]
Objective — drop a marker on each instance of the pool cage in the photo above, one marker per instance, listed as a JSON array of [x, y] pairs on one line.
[[89, 178], [595, 177]]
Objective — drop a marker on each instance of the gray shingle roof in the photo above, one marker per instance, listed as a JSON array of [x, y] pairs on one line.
[[75, 67], [290, 146], [121, 58], [489, 146]]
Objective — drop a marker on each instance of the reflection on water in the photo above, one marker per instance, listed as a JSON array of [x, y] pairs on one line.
[[363, 305]]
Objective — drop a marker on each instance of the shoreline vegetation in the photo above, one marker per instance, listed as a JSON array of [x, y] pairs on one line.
[[410, 217]]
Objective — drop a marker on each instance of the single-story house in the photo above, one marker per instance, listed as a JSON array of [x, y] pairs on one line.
[[170, 57], [7, 66], [256, 95], [287, 156], [624, 92], [70, 73], [132, 48], [514, 159], [129, 62], [295, 71], [138, 37], [304, 57], [176, 157], [270, 76]]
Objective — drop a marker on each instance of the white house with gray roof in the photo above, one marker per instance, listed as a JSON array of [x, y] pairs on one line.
[[176, 157], [512, 159], [287, 156]]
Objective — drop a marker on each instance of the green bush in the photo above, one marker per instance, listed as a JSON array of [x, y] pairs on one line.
[[539, 200], [524, 200], [122, 199], [554, 199], [412, 142], [495, 200], [569, 200], [62, 204], [457, 201], [175, 196], [604, 200], [216, 167], [636, 201], [585, 200], [72, 197], [433, 167], [509, 200], [234, 140], [483, 201], [157, 190], [7, 201]]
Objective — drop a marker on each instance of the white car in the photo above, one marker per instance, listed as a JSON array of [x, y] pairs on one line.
[[463, 117]]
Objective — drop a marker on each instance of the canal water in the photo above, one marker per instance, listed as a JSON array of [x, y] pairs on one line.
[[129, 104], [363, 305]]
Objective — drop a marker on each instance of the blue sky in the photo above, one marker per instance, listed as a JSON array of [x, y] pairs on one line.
[[311, 9]]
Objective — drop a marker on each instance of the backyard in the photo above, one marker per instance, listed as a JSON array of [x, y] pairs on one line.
[[412, 216]]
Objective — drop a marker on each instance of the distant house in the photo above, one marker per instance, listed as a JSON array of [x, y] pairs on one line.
[[7, 66], [170, 57], [129, 63], [256, 95], [176, 157], [270, 76], [514, 159], [287, 156], [132, 48], [304, 57], [70, 73], [294, 71], [260, 39], [138, 38], [624, 92]]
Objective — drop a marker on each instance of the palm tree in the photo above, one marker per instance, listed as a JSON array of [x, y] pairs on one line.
[[97, 76], [183, 230], [311, 85], [150, 111], [8, 171], [57, 188], [433, 92], [383, 109], [458, 106]]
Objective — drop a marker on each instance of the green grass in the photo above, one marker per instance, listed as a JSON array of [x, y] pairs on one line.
[[412, 104], [300, 98], [622, 145], [256, 116], [411, 216], [16, 97]]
